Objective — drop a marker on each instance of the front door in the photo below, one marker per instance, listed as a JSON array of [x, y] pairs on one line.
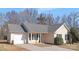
[[34, 38]]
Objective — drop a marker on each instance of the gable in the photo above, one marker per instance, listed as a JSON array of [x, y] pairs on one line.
[[62, 29]]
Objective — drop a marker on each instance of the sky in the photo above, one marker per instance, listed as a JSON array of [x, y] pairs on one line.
[[54, 11], [59, 11]]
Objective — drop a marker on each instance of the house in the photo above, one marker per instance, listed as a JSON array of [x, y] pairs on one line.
[[36, 33]]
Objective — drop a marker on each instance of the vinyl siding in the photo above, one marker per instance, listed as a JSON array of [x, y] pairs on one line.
[[62, 30]]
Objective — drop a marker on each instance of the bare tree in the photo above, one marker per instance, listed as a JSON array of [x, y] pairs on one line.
[[13, 17], [50, 19], [2, 19], [29, 15], [69, 20], [2, 22], [41, 19], [74, 18], [64, 19], [57, 19]]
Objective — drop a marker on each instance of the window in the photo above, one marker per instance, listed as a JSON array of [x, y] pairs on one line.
[[34, 37], [59, 35]]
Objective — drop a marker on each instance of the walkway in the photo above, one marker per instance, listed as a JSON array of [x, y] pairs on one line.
[[36, 48]]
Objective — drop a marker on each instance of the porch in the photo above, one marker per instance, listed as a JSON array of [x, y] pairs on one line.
[[34, 38]]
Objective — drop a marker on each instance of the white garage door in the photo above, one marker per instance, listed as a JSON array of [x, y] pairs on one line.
[[17, 38]]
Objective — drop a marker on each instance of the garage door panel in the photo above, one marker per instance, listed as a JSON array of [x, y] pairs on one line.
[[17, 38]]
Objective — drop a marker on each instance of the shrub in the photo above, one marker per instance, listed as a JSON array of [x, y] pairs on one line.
[[58, 41]]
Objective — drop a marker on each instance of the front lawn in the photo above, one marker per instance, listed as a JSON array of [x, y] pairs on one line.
[[8, 47], [4, 46], [74, 46]]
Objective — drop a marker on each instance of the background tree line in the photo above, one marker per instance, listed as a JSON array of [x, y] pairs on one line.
[[32, 15]]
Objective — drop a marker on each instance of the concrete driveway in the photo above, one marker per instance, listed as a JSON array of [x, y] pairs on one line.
[[36, 48]]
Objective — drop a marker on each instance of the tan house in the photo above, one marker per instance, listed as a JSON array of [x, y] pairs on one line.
[[36, 33]]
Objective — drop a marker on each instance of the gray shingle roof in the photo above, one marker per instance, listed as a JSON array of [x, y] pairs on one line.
[[33, 28], [15, 28], [54, 27], [36, 28]]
